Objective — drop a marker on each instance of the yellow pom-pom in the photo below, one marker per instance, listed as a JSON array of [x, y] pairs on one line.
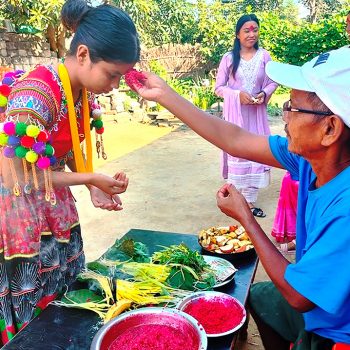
[[3, 139], [3, 101], [32, 130], [31, 157]]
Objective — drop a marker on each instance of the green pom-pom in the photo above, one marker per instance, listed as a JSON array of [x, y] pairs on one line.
[[98, 124], [32, 130], [49, 150], [21, 129], [21, 151], [3, 139], [31, 157]]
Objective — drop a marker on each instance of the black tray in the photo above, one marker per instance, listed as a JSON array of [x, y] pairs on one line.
[[231, 256]]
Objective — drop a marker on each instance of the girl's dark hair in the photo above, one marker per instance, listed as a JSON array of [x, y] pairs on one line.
[[236, 57], [106, 30]]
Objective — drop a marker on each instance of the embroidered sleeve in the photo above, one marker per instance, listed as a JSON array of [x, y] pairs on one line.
[[35, 98]]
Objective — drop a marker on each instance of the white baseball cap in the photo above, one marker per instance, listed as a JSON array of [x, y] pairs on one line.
[[328, 75]]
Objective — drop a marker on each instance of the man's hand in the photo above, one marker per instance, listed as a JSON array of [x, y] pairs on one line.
[[232, 203]]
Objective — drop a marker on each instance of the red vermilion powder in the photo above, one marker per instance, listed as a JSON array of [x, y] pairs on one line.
[[134, 79], [154, 337], [216, 315]]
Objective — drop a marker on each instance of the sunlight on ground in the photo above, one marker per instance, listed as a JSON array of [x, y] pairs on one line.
[[124, 137]]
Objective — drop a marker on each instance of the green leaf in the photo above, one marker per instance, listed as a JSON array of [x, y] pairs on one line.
[[81, 296]]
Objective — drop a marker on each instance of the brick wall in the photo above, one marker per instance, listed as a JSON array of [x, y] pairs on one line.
[[23, 51]]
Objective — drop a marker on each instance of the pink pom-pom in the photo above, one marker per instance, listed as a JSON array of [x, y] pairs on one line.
[[10, 128], [43, 162]]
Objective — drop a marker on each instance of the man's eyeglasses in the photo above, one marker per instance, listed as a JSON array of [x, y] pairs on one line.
[[288, 108]]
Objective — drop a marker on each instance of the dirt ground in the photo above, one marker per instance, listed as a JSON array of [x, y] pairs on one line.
[[174, 176]]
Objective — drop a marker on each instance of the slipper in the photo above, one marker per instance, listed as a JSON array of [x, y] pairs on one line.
[[258, 212]]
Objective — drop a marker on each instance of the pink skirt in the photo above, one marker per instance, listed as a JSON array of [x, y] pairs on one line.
[[284, 224]]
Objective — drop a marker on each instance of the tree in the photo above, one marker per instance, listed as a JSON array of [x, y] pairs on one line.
[[320, 8], [161, 21], [43, 15], [255, 5]]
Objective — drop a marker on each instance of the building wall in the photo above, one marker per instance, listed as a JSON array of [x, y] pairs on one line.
[[23, 51]]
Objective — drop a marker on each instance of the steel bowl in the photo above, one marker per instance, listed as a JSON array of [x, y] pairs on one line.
[[209, 295], [182, 322]]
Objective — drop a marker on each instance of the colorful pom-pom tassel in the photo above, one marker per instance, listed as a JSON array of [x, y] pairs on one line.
[[8, 80], [53, 160], [43, 136], [21, 129], [100, 131], [31, 157], [27, 141], [9, 128], [39, 147], [32, 130], [98, 124], [3, 101], [3, 139], [49, 151], [14, 140], [21, 152], [43, 162], [5, 90], [96, 113], [9, 152]]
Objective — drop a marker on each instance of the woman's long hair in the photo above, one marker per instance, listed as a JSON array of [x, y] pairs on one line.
[[236, 56]]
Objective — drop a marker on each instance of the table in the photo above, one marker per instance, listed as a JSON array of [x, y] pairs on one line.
[[60, 328]]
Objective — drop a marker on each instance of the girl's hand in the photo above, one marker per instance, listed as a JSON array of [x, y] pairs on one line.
[[121, 177], [105, 201], [110, 185], [260, 97], [232, 203], [153, 87], [245, 98]]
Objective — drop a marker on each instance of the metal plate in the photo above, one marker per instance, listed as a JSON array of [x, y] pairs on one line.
[[184, 323], [224, 271]]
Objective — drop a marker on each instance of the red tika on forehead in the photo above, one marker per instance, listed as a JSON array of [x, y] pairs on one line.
[[251, 28]]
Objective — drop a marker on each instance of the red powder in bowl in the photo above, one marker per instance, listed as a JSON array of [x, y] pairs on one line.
[[154, 337], [216, 315]]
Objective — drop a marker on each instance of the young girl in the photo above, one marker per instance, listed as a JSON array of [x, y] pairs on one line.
[[246, 89], [47, 117]]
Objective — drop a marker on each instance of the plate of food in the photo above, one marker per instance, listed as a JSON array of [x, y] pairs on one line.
[[228, 242], [223, 270]]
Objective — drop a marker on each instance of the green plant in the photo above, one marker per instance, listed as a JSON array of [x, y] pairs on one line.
[[158, 69], [273, 110]]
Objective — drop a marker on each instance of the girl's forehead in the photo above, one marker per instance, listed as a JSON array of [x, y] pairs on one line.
[[250, 25]]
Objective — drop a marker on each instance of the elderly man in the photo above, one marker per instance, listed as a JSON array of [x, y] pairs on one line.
[[307, 303]]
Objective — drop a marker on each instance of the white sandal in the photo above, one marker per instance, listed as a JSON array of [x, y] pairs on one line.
[[284, 247]]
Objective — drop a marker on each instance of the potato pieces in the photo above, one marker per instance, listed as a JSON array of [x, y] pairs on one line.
[[225, 240]]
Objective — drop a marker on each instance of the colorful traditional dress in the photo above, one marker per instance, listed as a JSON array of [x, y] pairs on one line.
[[41, 249], [250, 77], [284, 224]]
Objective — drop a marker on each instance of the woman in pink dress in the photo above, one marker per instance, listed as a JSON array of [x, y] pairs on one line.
[[284, 224], [243, 84]]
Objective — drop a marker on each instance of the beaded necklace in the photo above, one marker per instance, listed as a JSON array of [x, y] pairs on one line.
[[81, 165]]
